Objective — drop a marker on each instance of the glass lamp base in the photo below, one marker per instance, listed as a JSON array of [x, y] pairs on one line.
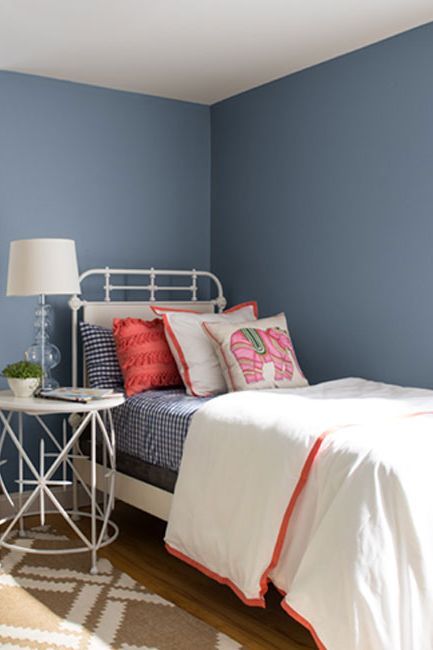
[[42, 352]]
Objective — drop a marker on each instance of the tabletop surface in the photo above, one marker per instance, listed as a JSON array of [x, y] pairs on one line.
[[38, 405]]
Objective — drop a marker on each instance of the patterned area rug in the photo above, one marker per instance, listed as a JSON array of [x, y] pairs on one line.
[[51, 602]]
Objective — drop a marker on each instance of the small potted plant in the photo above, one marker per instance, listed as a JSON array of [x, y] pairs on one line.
[[23, 377]]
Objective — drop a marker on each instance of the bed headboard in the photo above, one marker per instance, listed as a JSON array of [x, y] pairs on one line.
[[102, 312]]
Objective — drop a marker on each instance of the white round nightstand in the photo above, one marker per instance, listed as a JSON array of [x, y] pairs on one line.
[[40, 480]]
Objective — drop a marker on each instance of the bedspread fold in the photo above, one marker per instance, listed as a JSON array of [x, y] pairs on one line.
[[320, 490]]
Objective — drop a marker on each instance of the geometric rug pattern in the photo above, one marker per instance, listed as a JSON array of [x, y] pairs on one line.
[[52, 602]]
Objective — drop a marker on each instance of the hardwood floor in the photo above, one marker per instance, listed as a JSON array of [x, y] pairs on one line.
[[139, 551]]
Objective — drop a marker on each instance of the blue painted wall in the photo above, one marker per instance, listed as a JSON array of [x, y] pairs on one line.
[[125, 175], [322, 199], [322, 206]]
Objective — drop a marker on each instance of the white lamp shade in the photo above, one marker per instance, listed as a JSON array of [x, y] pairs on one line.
[[42, 266]]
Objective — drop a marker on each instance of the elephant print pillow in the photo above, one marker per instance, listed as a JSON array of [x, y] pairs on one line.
[[256, 354]]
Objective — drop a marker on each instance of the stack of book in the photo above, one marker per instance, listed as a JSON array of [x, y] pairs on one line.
[[81, 395]]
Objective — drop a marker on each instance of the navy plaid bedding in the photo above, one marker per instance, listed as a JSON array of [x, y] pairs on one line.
[[152, 425]]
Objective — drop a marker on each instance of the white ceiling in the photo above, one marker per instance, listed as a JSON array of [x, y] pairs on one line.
[[197, 50]]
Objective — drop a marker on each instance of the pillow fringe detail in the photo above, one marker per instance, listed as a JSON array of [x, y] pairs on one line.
[[148, 358], [139, 339], [152, 381]]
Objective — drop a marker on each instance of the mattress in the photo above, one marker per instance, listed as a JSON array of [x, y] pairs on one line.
[[152, 426]]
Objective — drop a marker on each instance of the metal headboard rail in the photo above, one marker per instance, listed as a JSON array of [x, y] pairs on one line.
[[76, 303]]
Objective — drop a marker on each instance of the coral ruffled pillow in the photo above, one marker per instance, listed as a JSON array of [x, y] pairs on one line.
[[144, 356]]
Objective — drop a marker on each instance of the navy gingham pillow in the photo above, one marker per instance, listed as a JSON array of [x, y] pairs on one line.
[[102, 366]]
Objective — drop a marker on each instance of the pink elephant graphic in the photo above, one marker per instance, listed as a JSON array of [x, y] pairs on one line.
[[253, 348]]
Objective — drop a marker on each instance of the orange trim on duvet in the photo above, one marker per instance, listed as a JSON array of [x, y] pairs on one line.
[[252, 602], [305, 472], [303, 621], [260, 601]]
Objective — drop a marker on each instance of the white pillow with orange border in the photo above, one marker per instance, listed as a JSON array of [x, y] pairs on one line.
[[193, 351]]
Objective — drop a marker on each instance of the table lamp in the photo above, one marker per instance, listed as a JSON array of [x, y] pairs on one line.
[[43, 267]]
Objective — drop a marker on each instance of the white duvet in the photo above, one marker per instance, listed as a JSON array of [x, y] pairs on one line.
[[327, 491]]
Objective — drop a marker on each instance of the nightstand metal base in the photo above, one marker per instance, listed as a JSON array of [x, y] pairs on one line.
[[57, 469]]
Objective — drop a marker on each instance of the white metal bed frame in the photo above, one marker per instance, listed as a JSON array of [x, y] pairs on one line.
[[144, 496]]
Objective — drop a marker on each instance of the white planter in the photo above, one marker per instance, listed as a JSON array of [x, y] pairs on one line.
[[23, 387]]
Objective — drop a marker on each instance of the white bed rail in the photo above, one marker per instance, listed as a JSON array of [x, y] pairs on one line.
[[151, 287]]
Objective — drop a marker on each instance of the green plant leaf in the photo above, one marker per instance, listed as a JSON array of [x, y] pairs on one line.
[[22, 370]]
